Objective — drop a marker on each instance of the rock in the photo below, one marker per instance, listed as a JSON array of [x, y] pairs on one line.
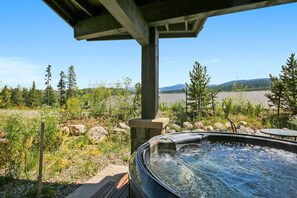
[[175, 126], [242, 123], [244, 129], [198, 125], [228, 125], [171, 131], [187, 125], [97, 134], [77, 129], [123, 126], [219, 126], [2, 134], [119, 130], [3, 141], [65, 130], [199, 130], [209, 128]]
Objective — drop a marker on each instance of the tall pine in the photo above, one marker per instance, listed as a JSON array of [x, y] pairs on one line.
[[71, 84], [289, 78], [62, 89], [49, 93], [198, 96], [5, 96], [276, 96]]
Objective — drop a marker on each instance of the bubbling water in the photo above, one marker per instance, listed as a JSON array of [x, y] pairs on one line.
[[227, 170]]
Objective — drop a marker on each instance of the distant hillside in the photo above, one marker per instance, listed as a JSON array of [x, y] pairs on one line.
[[249, 85]]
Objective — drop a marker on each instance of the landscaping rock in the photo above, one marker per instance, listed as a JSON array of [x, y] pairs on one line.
[[97, 134], [2, 134], [171, 131], [119, 130], [123, 126], [3, 141], [65, 130], [209, 128], [228, 125], [199, 130], [219, 126], [187, 125], [243, 123], [244, 129], [198, 125], [77, 129], [175, 127]]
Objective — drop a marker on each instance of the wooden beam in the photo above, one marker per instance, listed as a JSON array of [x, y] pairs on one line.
[[199, 25], [90, 28], [127, 14], [84, 6], [150, 76], [169, 12]]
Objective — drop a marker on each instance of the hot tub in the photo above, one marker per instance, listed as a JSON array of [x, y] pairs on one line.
[[214, 165]]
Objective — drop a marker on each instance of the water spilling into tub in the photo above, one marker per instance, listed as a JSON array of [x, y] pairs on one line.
[[227, 170]]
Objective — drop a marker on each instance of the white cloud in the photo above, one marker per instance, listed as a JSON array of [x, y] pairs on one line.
[[18, 71], [214, 60]]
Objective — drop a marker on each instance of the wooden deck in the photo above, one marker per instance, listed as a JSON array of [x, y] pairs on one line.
[[112, 182], [114, 189]]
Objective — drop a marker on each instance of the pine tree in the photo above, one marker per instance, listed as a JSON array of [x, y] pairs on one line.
[[276, 96], [198, 97], [26, 97], [5, 95], [17, 96], [71, 82], [49, 94], [288, 77], [34, 96], [62, 89]]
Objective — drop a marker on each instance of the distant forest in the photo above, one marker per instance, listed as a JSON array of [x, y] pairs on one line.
[[260, 84]]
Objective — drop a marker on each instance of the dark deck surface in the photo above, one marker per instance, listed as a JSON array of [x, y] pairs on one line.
[[114, 189]]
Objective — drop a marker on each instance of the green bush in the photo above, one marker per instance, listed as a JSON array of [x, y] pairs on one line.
[[73, 108]]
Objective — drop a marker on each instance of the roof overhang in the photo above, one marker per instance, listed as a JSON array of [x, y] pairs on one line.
[[127, 19]]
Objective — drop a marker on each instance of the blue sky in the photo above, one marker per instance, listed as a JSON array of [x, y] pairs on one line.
[[243, 45]]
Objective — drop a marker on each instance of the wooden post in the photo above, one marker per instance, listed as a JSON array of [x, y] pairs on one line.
[[40, 160], [150, 76]]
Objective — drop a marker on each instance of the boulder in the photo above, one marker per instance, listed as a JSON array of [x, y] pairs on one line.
[[3, 141], [209, 128], [171, 131], [65, 130], [199, 130], [198, 125], [228, 125], [219, 126], [187, 125], [244, 129], [2, 134], [175, 127], [77, 129], [243, 123], [97, 134], [119, 130], [123, 126]]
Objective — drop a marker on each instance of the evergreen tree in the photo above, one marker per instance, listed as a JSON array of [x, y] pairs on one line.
[[49, 94], [62, 89], [198, 97], [276, 96], [288, 77], [34, 96], [17, 96], [71, 82], [5, 95], [26, 97]]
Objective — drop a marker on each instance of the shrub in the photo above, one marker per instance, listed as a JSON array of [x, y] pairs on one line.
[[74, 108]]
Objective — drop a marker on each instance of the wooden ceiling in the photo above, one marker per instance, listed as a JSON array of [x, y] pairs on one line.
[[128, 19]]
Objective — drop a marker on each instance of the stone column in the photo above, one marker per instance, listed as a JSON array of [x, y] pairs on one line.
[[144, 129]]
